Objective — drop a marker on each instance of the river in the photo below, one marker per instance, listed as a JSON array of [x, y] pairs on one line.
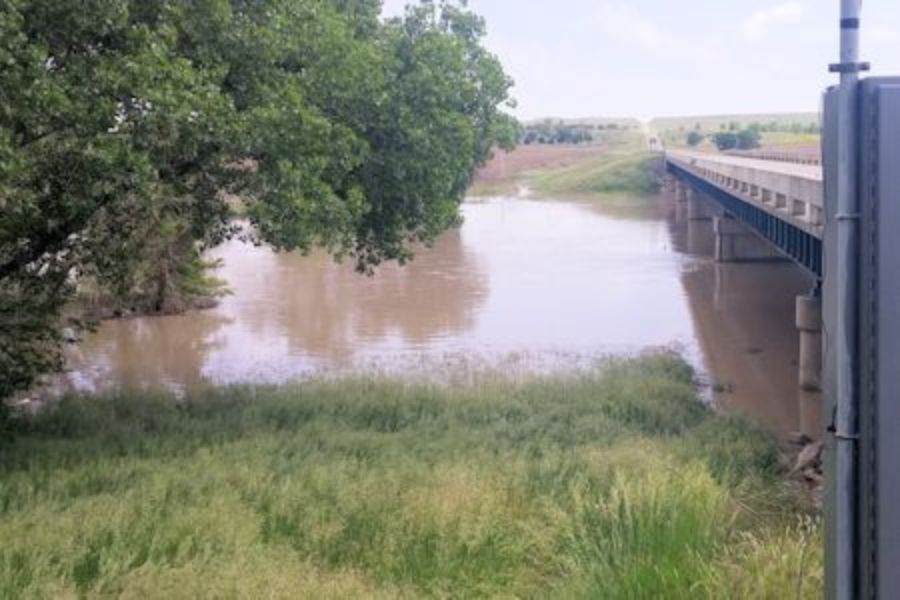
[[524, 284]]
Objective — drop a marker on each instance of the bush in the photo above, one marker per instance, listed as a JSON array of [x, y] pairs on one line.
[[725, 140], [748, 139], [745, 139], [694, 138]]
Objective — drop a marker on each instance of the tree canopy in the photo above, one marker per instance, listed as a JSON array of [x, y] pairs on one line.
[[745, 139], [694, 138], [131, 130]]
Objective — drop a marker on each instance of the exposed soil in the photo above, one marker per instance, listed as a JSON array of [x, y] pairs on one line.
[[507, 165]]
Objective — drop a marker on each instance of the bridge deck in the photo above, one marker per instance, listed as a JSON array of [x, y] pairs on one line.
[[788, 191]]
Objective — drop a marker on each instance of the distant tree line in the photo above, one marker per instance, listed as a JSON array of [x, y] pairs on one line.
[[767, 127], [551, 131], [731, 136], [744, 139], [776, 127]]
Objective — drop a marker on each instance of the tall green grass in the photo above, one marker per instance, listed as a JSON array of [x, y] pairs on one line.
[[618, 483]]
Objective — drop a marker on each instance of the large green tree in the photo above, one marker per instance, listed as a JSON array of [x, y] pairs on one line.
[[130, 130]]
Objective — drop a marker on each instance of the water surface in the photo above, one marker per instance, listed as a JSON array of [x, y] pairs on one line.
[[541, 284]]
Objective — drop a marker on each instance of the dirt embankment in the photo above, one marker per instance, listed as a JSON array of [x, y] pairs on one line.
[[506, 166]]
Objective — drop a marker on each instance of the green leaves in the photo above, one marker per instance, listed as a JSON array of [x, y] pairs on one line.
[[125, 124]]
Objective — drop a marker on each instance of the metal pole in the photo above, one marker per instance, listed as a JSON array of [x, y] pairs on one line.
[[846, 435]]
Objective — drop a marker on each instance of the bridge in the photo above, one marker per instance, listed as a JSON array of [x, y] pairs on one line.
[[782, 203], [761, 209]]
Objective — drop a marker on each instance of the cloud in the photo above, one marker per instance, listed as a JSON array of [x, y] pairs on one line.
[[762, 21], [622, 22]]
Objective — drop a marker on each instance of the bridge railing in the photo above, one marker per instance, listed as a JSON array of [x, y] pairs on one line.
[[803, 158], [792, 192]]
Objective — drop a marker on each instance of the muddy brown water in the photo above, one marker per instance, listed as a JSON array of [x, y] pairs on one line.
[[525, 282]]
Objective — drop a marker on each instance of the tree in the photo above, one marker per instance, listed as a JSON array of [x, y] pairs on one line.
[[127, 125], [725, 140], [748, 139], [694, 138], [745, 139]]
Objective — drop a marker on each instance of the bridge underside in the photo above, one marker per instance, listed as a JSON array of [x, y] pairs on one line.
[[801, 246]]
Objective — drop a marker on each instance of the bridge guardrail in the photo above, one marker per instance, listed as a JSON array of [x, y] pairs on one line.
[[803, 158]]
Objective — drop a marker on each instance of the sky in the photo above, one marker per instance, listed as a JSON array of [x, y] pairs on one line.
[[651, 58]]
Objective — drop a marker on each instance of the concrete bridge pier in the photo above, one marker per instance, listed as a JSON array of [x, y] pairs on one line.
[[679, 193], [735, 242], [670, 183], [809, 324], [698, 207], [680, 189]]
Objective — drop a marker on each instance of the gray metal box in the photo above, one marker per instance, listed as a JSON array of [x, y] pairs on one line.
[[879, 340]]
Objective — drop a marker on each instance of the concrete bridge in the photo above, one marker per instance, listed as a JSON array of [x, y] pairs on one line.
[[760, 210]]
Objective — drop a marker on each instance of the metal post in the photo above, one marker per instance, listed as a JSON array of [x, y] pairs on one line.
[[845, 425]]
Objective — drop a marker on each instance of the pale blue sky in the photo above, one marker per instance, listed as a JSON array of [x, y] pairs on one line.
[[648, 58]]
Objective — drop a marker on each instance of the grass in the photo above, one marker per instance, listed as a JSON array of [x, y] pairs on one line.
[[553, 167], [614, 173], [488, 189], [786, 139], [674, 130], [618, 483], [715, 122]]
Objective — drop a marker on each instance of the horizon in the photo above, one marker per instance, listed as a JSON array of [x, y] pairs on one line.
[[706, 116]]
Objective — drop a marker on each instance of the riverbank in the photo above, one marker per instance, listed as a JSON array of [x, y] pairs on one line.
[[612, 483], [616, 165], [635, 174], [590, 173]]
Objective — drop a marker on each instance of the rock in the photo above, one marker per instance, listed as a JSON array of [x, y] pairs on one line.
[[68, 335], [814, 477], [809, 457], [797, 438]]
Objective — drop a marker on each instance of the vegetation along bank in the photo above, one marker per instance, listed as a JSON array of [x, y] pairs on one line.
[[615, 483]]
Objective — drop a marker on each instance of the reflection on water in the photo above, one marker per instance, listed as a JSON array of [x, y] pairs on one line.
[[559, 280], [744, 320]]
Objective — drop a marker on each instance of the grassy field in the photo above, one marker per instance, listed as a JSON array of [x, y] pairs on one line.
[[777, 141], [713, 123], [674, 130], [508, 170], [612, 173], [618, 483], [616, 166]]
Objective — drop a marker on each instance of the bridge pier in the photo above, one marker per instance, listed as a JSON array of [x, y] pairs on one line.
[[679, 192], [682, 191], [670, 183], [809, 324], [699, 208], [737, 243]]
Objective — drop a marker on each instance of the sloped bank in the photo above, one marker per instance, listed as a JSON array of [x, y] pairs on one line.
[[615, 483]]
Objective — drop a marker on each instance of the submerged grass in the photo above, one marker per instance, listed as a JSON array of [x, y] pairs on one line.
[[618, 483]]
